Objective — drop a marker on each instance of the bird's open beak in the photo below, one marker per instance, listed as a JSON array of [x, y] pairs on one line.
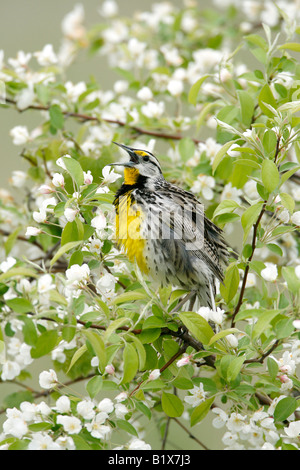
[[132, 155]]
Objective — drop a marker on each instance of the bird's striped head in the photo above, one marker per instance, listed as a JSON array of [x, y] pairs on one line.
[[141, 163]]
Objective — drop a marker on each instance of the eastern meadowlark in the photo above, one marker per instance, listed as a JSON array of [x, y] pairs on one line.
[[164, 229]]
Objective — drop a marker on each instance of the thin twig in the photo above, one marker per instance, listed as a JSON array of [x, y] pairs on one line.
[[192, 436], [253, 246], [86, 117]]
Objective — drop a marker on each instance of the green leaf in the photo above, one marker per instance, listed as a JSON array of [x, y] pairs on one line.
[[13, 272], [290, 107], [270, 175], [263, 322], [94, 385], [287, 201], [182, 383], [172, 405], [231, 283], [56, 117], [291, 279], [201, 411], [220, 154], [230, 366], [140, 351], [257, 40], [64, 249], [129, 297], [131, 363], [266, 97], [98, 346], [143, 408], [247, 107], [73, 167], [154, 322], [284, 408], [45, 343], [186, 148], [20, 305], [29, 331], [113, 326], [126, 426], [272, 367], [197, 325], [10, 240], [222, 334], [42, 426], [80, 442], [77, 355], [292, 46], [225, 207], [269, 143], [193, 93], [249, 218]]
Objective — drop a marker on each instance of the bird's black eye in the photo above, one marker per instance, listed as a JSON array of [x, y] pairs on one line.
[[146, 158]]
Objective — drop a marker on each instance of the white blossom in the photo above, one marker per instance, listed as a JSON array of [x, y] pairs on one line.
[[17, 427], [97, 428], [20, 135], [106, 284], [284, 216], [48, 379], [120, 410], [72, 26], [145, 94], [7, 264], [74, 90], [99, 222], [109, 175], [77, 275], [175, 87], [106, 405], [63, 404], [138, 444], [70, 214], [153, 109], [204, 185], [154, 374], [269, 273], [295, 219], [293, 429], [58, 180], [86, 409], [20, 63], [25, 98], [42, 441], [221, 418], [32, 231], [198, 395], [45, 283], [121, 397], [10, 370], [71, 424], [46, 56], [88, 177]]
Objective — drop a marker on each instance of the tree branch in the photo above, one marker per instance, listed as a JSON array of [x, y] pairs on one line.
[[253, 246], [86, 117]]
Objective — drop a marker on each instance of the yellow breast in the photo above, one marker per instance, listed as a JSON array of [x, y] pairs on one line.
[[129, 219]]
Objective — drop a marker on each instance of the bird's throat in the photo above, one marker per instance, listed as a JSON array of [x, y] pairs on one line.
[[131, 176]]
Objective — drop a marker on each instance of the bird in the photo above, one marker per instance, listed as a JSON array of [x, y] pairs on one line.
[[164, 229]]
